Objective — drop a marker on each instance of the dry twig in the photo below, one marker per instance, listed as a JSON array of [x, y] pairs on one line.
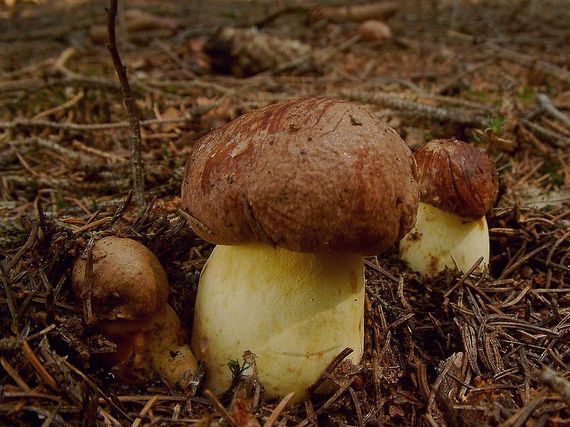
[[132, 109], [550, 108], [421, 110]]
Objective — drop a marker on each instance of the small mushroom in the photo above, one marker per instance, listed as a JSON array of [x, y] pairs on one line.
[[127, 290], [373, 30], [294, 195], [458, 185]]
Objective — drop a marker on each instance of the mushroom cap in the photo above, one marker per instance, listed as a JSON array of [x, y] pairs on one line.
[[314, 174], [374, 30], [128, 281], [456, 177]]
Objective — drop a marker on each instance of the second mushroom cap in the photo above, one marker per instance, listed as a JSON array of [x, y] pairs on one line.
[[456, 177]]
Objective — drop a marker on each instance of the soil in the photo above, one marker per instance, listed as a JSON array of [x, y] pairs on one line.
[[459, 349]]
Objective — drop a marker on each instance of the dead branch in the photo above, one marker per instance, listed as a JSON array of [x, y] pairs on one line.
[[54, 146], [550, 108], [32, 238], [421, 110], [329, 369], [220, 408], [272, 419], [33, 85], [531, 62], [81, 127], [356, 13], [131, 107], [9, 297], [554, 138]]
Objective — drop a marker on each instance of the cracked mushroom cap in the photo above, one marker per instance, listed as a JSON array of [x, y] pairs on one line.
[[316, 175], [456, 177], [128, 282]]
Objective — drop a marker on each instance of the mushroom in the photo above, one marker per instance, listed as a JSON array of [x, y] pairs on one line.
[[127, 289], [374, 31], [294, 195], [458, 185]]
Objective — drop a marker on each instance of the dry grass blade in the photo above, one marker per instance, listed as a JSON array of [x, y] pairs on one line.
[[14, 375], [147, 407], [32, 238], [331, 400], [97, 389], [9, 297], [464, 277], [40, 369], [220, 408], [329, 369], [272, 419], [519, 418]]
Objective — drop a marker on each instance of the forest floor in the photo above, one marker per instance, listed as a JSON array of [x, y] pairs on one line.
[[454, 350]]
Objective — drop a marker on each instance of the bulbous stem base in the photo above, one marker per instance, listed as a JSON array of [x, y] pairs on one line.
[[294, 311]]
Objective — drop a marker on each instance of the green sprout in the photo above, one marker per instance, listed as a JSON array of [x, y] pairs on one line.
[[237, 369], [496, 123]]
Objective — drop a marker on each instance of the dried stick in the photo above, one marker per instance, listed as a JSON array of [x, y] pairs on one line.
[[531, 62], [54, 146], [131, 106], [40, 369], [72, 102], [220, 408], [80, 127], [548, 135], [420, 110], [278, 410], [329, 369], [147, 407], [551, 109], [9, 297], [33, 85], [32, 238]]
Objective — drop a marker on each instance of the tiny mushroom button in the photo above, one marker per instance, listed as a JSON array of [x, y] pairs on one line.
[[294, 195], [128, 289]]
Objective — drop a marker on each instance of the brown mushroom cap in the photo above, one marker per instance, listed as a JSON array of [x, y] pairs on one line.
[[128, 281], [456, 177], [308, 175]]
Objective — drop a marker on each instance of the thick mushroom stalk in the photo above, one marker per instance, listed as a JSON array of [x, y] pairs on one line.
[[290, 309], [127, 289], [458, 187], [293, 194]]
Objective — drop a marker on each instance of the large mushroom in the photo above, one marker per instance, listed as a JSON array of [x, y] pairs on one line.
[[294, 195], [458, 185], [127, 289]]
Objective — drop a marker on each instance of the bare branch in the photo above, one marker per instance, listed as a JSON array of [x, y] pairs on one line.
[[131, 106], [551, 109]]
